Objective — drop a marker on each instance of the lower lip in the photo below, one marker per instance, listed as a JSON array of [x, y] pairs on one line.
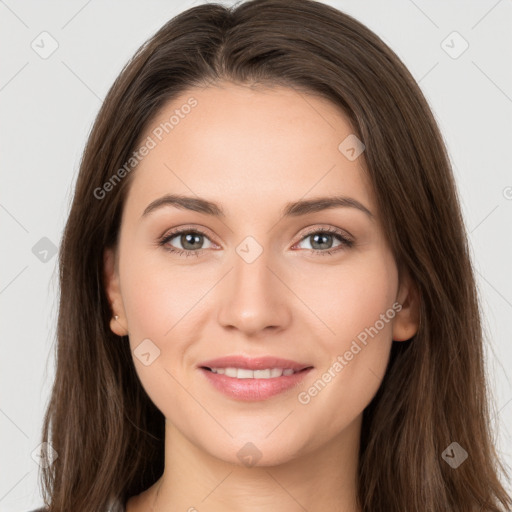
[[254, 389]]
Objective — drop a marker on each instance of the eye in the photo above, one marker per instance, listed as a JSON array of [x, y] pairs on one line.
[[190, 241], [322, 240]]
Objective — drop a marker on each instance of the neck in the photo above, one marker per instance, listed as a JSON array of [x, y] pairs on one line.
[[322, 479]]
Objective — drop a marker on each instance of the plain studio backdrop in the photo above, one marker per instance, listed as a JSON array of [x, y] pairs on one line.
[[59, 58]]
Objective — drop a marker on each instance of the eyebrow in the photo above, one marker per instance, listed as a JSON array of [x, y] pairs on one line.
[[292, 209]]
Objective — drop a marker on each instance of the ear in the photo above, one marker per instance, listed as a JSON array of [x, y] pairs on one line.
[[113, 290], [407, 320]]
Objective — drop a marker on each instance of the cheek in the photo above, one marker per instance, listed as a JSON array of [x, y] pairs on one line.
[[349, 297], [357, 308], [158, 303], [157, 294]]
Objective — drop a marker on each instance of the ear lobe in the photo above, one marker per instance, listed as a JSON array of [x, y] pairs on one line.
[[113, 291], [407, 320]]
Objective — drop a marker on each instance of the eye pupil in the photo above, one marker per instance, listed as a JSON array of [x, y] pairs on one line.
[[323, 244]]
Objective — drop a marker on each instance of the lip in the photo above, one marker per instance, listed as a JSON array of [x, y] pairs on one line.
[[253, 389]]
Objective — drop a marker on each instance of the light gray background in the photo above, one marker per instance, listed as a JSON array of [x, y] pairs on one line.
[[48, 106]]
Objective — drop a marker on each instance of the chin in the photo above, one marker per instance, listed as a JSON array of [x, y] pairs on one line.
[[248, 452]]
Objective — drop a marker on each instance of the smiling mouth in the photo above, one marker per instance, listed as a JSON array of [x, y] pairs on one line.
[[245, 373]]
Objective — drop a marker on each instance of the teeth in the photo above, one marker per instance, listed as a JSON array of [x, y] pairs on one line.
[[276, 372], [230, 372], [244, 373]]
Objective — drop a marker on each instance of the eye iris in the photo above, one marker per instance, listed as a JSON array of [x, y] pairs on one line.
[[322, 244], [189, 239]]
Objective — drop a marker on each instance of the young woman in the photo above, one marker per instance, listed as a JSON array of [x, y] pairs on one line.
[[267, 301]]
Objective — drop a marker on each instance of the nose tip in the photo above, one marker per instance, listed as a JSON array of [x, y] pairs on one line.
[[250, 322]]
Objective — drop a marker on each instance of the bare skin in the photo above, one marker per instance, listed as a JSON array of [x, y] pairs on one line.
[[252, 151]]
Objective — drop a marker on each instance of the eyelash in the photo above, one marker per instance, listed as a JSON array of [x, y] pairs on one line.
[[345, 242]]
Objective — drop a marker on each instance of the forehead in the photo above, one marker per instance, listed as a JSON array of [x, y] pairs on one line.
[[244, 147]]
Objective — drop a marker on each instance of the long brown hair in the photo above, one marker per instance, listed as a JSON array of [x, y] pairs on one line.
[[107, 433]]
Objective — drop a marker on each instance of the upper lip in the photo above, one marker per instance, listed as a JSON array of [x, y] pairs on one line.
[[256, 363]]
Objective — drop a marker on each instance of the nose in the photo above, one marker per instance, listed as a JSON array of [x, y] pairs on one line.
[[253, 297]]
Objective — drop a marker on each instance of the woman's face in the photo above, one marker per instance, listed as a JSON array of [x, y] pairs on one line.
[[280, 273]]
